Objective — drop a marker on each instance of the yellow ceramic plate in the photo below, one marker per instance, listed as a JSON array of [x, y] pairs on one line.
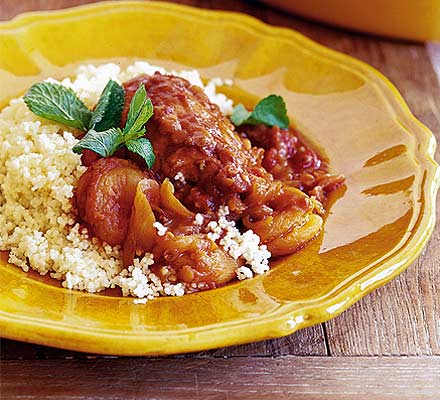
[[377, 226]]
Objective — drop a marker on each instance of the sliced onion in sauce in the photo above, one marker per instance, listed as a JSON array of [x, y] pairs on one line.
[[171, 203], [141, 233]]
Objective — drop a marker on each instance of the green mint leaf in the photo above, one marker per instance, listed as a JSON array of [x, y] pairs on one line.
[[144, 115], [103, 143], [141, 110], [270, 111], [133, 135], [107, 142], [144, 148], [108, 110], [240, 115], [57, 103]]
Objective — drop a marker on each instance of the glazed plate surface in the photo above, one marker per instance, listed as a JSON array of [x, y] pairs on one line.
[[377, 225]]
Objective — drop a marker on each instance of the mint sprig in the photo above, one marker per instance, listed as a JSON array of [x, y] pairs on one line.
[[107, 142], [58, 103], [103, 136], [270, 111]]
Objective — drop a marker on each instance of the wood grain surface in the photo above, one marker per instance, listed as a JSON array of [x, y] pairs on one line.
[[235, 378], [398, 320]]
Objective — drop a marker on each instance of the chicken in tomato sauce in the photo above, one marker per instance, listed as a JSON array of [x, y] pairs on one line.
[[210, 181]]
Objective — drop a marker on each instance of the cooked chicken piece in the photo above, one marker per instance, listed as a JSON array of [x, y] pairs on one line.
[[104, 197]]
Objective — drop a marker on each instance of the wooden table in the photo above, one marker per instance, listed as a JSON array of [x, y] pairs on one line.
[[386, 346]]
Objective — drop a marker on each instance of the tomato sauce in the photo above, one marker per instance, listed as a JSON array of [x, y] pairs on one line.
[[269, 180]]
